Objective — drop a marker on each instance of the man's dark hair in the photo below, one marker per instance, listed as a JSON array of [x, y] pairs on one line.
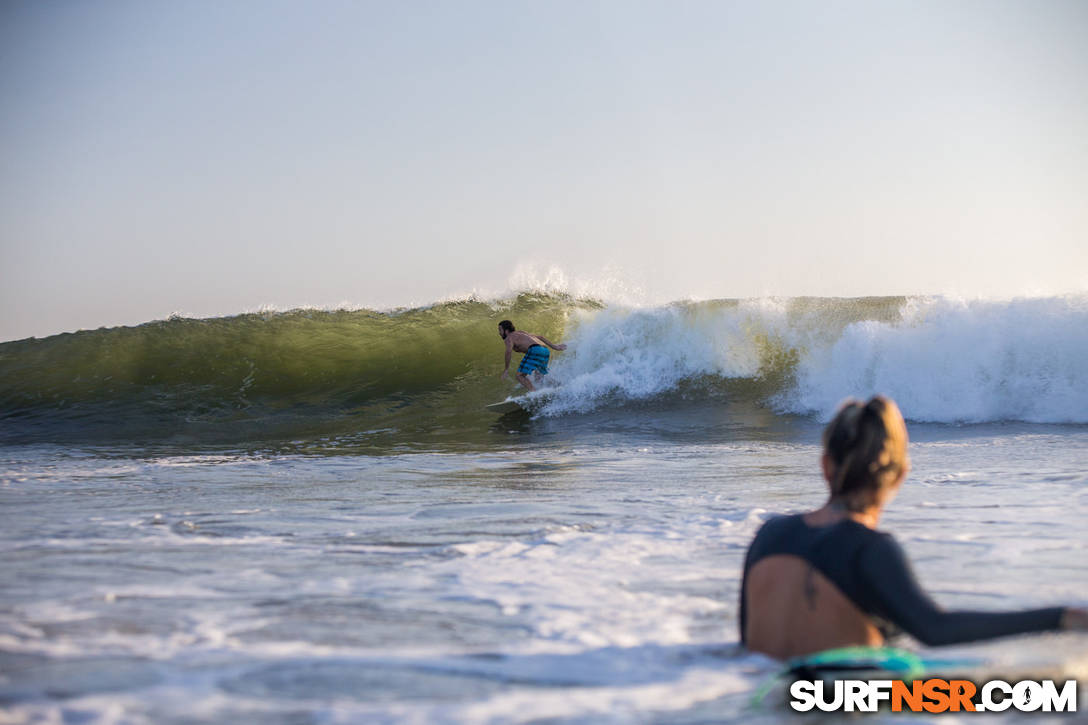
[[507, 325]]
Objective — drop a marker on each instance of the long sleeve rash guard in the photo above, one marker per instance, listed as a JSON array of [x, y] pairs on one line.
[[871, 569]]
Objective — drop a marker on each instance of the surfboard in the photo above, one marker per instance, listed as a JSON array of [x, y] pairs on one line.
[[506, 406], [890, 663], [526, 402]]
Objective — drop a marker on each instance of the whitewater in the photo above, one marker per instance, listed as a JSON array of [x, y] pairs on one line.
[[309, 516], [949, 361]]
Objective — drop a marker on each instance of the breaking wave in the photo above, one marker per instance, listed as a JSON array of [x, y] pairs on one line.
[[944, 360]]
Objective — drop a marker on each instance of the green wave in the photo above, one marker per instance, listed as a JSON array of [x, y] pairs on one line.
[[304, 371], [279, 359]]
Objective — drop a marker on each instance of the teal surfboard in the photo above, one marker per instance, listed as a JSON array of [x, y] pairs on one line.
[[872, 663]]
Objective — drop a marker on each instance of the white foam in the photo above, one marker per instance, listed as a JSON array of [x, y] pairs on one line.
[[943, 360], [954, 360], [580, 589], [694, 686], [637, 353]]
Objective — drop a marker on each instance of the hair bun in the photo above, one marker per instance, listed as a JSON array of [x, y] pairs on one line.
[[867, 444]]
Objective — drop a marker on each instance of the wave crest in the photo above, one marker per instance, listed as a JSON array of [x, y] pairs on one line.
[[942, 359]]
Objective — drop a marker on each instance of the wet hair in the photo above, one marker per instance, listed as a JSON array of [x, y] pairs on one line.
[[867, 445], [506, 325]]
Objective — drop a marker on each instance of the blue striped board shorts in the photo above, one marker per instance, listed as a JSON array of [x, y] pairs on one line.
[[536, 359]]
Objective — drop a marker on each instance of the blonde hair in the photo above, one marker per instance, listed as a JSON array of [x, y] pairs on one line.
[[867, 446]]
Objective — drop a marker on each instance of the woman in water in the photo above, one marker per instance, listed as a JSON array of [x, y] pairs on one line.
[[829, 579]]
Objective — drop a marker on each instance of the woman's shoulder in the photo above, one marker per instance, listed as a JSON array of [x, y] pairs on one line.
[[868, 537], [780, 522], [792, 530], [780, 530]]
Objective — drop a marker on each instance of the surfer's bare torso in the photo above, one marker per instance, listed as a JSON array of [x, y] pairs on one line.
[[521, 341], [533, 347]]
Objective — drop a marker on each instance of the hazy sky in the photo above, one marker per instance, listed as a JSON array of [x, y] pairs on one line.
[[214, 157]]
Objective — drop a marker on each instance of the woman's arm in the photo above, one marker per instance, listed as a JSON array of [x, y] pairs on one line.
[[896, 593]]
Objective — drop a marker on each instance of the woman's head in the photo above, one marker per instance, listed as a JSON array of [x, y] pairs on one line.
[[865, 452]]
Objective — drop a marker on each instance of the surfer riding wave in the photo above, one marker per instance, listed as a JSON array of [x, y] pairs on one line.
[[532, 347]]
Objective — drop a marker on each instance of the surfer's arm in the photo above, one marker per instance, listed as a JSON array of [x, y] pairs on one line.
[[552, 345], [896, 593], [509, 352]]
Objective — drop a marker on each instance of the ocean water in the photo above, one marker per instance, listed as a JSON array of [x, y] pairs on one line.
[[307, 517]]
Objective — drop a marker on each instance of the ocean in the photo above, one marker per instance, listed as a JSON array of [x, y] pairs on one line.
[[309, 517]]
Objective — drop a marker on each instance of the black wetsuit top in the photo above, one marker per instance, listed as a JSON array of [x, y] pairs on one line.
[[870, 568]]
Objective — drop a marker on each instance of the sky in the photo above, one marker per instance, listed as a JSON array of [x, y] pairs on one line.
[[209, 158]]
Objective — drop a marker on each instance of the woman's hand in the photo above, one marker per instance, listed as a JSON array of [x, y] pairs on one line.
[[1074, 618]]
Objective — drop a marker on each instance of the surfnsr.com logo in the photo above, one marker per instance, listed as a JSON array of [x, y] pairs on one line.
[[933, 695]]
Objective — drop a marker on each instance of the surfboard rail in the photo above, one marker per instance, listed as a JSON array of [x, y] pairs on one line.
[[506, 406]]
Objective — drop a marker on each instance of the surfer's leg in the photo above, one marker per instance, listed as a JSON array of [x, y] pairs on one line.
[[524, 380]]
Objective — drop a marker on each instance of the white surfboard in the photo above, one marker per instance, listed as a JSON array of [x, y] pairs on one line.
[[506, 406]]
